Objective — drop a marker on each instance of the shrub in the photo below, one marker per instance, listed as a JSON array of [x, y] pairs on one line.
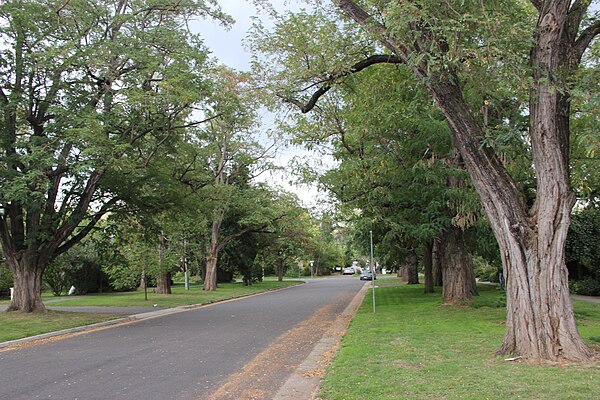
[[484, 270], [57, 277], [6, 280], [583, 244], [80, 267], [585, 287], [123, 278]]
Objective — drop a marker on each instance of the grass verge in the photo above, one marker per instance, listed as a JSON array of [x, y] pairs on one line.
[[415, 348], [180, 296], [16, 325]]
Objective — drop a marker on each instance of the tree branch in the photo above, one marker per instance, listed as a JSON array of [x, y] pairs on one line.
[[3, 97], [90, 225], [586, 37], [359, 66], [80, 210], [537, 4]]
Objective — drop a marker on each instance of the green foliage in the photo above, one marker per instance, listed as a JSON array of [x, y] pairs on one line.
[[122, 277], [56, 276], [95, 97], [485, 271], [483, 245], [79, 267], [585, 287], [585, 136], [6, 280], [583, 244]]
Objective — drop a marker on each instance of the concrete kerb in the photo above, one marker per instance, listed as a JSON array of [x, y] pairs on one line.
[[127, 320], [304, 382]]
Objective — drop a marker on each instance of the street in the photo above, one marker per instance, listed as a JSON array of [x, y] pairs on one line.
[[187, 355]]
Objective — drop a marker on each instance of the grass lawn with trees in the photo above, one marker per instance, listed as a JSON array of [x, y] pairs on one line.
[[179, 297], [414, 348]]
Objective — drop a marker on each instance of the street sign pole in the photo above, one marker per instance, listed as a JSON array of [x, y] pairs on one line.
[[372, 272], [185, 266]]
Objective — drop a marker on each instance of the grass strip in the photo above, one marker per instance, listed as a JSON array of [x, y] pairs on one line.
[[416, 348], [17, 325], [179, 297]]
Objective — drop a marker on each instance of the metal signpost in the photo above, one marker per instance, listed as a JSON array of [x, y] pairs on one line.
[[372, 272]]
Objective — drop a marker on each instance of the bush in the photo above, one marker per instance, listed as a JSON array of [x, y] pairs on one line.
[[57, 277], [485, 271], [6, 280], [123, 278], [585, 287], [80, 267], [583, 244]]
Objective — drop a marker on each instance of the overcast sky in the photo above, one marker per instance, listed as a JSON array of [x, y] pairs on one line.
[[228, 47]]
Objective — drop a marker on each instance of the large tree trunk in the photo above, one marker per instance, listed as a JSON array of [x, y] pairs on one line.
[[163, 280], [403, 273], [212, 254], [428, 266], [280, 268], [27, 281], [411, 261], [163, 283], [540, 320], [459, 278], [436, 255], [210, 280]]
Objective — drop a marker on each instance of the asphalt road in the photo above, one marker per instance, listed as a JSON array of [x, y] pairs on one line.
[[186, 355]]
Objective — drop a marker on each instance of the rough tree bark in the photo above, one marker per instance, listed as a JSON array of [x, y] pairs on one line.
[[280, 269], [163, 283], [213, 247], [163, 280], [436, 255], [540, 321], [27, 281], [428, 266], [458, 276], [411, 261], [402, 273]]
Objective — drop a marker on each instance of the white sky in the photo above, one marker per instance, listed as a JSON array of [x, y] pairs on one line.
[[227, 46]]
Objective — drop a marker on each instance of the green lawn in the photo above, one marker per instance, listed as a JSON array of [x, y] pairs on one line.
[[16, 325], [180, 296], [415, 348]]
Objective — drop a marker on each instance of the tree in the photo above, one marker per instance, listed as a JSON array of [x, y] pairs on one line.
[[288, 238], [399, 172], [89, 91], [445, 44], [233, 161]]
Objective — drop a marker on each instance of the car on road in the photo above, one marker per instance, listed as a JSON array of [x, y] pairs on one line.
[[349, 271], [367, 275]]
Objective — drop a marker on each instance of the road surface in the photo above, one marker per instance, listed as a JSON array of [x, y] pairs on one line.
[[245, 348]]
